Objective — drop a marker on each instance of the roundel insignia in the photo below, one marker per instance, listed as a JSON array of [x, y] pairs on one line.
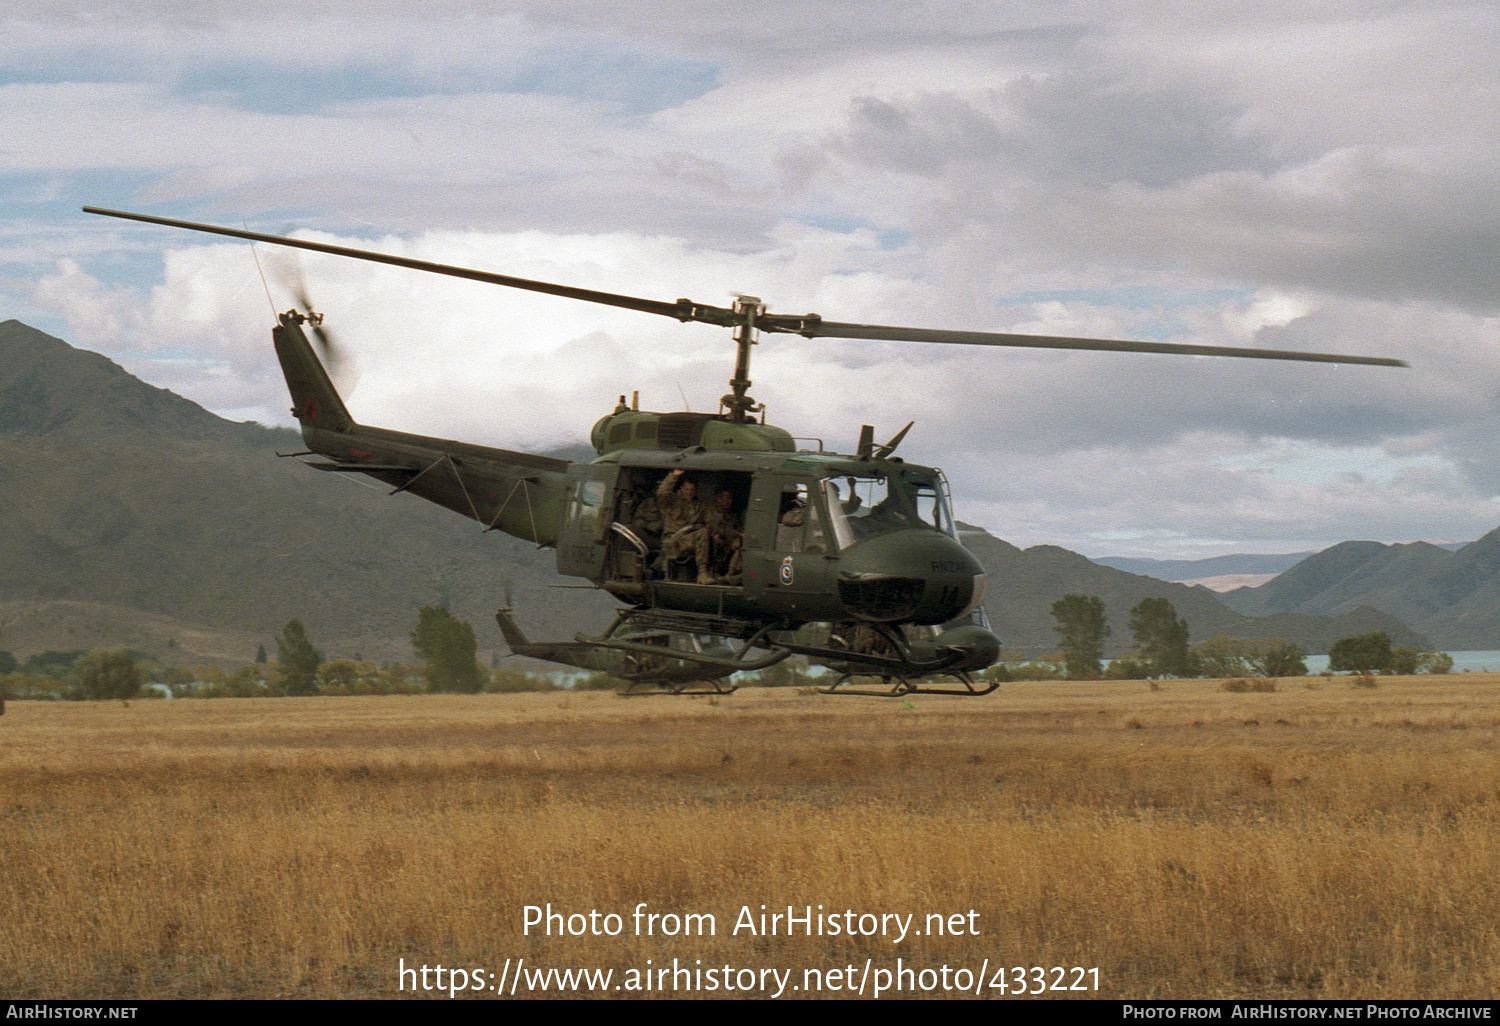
[[786, 570], [310, 409]]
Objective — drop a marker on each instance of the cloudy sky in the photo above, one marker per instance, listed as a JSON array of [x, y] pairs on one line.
[[1317, 175]]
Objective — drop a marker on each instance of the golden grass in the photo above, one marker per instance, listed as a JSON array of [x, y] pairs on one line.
[[1319, 841]]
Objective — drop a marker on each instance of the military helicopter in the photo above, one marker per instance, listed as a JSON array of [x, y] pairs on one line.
[[864, 544]]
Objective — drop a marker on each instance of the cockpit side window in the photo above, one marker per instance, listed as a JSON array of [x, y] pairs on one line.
[[934, 509], [799, 525], [930, 509]]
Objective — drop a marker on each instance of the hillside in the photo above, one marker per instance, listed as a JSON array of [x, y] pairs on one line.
[[1452, 596], [129, 498], [1196, 569], [1023, 584]]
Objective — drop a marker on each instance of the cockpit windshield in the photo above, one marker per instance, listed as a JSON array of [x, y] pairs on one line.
[[864, 505]]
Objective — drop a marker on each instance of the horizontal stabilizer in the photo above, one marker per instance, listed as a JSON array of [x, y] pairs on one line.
[[362, 468]]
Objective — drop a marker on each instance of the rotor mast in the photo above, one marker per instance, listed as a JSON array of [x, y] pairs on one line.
[[740, 404]]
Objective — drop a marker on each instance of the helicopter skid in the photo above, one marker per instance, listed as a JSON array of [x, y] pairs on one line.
[[897, 661], [638, 689], [733, 665], [903, 687]]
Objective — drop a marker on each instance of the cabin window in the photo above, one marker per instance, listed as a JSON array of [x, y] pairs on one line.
[[587, 503]]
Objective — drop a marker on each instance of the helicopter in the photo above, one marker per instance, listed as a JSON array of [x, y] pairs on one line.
[[852, 561]]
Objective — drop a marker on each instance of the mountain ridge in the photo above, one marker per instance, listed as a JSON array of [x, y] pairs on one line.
[[1023, 584], [1451, 595], [1178, 570]]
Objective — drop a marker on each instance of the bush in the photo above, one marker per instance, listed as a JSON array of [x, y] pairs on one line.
[[1273, 657], [244, 683], [1038, 669], [1361, 653], [350, 677], [110, 673], [1403, 660], [35, 686], [54, 664], [1406, 659], [507, 682], [1241, 684], [1435, 662], [1221, 657]]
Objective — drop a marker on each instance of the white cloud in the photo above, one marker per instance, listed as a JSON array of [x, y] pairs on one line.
[[104, 315]]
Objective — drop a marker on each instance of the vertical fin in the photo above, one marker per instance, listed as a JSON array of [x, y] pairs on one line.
[[513, 636], [315, 402]]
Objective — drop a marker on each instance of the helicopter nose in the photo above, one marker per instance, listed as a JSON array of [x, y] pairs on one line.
[[910, 577]]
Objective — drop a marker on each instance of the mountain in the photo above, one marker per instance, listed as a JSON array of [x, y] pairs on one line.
[[1023, 584], [1197, 569], [1355, 572], [1452, 596], [133, 505]]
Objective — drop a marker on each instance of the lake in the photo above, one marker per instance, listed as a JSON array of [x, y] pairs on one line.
[[1470, 662]]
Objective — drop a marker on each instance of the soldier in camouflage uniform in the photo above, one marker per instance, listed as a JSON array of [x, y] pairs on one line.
[[645, 517], [685, 521], [728, 533]]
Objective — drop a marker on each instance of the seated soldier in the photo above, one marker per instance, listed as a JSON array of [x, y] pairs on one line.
[[793, 507], [728, 534], [646, 520]]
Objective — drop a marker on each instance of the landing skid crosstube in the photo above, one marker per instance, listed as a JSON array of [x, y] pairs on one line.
[[896, 664], [900, 687], [642, 689]]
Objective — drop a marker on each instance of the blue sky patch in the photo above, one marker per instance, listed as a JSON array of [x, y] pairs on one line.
[[55, 198], [847, 224], [279, 89], [634, 83]]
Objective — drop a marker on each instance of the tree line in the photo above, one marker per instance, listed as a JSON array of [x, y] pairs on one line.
[[447, 651], [444, 644], [1162, 649]]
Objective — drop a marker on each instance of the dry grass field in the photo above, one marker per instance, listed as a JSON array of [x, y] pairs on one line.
[[1319, 841]]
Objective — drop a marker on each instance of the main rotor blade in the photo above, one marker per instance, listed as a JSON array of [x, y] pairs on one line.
[[682, 310], [813, 327], [808, 325]]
